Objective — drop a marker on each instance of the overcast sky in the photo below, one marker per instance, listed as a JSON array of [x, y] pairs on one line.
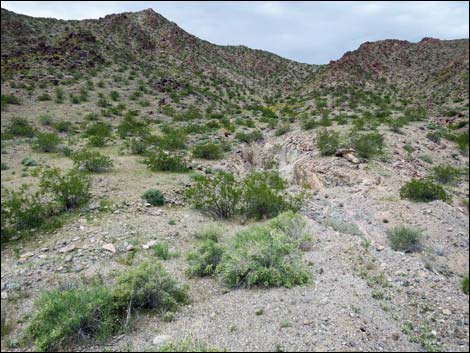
[[311, 32]]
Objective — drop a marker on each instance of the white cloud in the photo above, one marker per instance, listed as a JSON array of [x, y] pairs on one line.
[[313, 32]]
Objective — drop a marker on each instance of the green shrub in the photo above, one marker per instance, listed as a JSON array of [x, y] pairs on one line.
[[264, 195], [253, 136], [446, 174], [70, 190], [172, 140], [368, 145], [423, 190], [98, 134], [463, 141], [426, 158], [66, 316], [403, 238], [309, 124], [137, 145], [154, 197], [23, 211], [162, 251], [90, 161], [210, 151], [263, 256], [29, 162], [59, 95], [464, 285], [6, 100], [162, 161], [222, 200], [129, 126], [46, 120], [204, 260], [44, 97], [282, 130], [63, 126], [20, 127], [4, 166], [434, 136], [114, 95], [328, 142], [149, 286], [46, 142], [260, 194]]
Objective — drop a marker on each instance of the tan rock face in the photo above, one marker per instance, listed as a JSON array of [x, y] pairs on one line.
[[304, 174]]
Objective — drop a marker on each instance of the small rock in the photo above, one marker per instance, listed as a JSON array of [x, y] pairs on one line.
[[149, 244], [379, 247], [130, 248], [446, 312], [109, 247], [4, 295], [67, 248], [26, 255], [161, 339], [68, 258]]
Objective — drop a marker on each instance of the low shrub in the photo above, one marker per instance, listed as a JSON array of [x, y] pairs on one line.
[[446, 174], [258, 195], [129, 126], [282, 130], [423, 190], [464, 285], [7, 99], [204, 260], [368, 145], [263, 256], [98, 134], [154, 197], [403, 238], [63, 126], [328, 142], [264, 195], [46, 142], [66, 316], [149, 286], [172, 140], [250, 137], [434, 136], [161, 161], [91, 161], [162, 251], [70, 190], [222, 201], [20, 127], [210, 151]]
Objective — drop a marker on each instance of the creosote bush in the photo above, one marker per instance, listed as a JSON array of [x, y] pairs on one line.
[[154, 197], [161, 161], [404, 238], [210, 151], [446, 174], [368, 145], [20, 127], [46, 142], [91, 161], [328, 142], [259, 195], [423, 190], [70, 190]]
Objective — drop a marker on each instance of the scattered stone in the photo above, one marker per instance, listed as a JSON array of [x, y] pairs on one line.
[[130, 247], [109, 247], [67, 248], [149, 244], [161, 339], [26, 255]]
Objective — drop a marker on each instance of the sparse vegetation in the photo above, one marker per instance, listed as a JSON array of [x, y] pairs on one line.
[[423, 190], [91, 161], [404, 238], [161, 161], [154, 197], [328, 142]]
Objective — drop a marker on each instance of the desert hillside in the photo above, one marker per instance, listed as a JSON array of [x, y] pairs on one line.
[[162, 193]]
